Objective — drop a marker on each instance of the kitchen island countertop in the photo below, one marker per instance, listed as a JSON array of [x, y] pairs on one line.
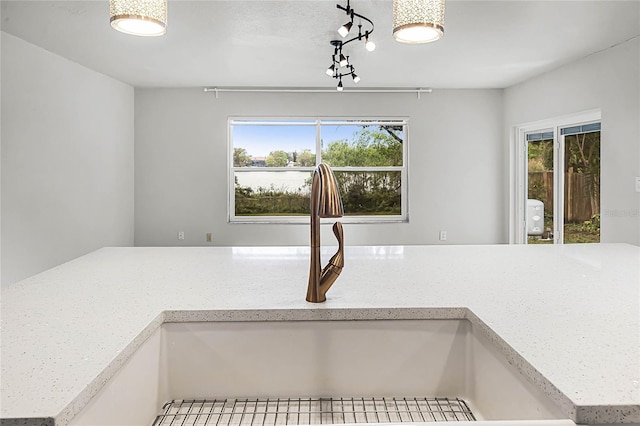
[[569, 314]]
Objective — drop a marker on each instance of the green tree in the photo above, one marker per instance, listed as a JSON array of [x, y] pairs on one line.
[[241, 158], [540, 155], [368, 192], [370, 148], [582, 155], [277, 159], [306, 158]]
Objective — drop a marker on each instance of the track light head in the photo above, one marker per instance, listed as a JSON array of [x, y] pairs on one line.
[[340, 88], [344, 30], [343, 61], [356, 79], [369, 45], [331, 70]]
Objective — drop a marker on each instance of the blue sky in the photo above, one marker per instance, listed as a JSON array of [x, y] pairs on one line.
[[259, 141]]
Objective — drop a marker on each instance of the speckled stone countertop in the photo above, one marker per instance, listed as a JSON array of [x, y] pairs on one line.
[[568, 316]]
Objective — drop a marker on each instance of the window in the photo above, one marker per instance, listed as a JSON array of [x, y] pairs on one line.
[[272, 162]]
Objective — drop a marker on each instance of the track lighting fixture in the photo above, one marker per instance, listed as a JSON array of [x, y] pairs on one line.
[[340, 65]]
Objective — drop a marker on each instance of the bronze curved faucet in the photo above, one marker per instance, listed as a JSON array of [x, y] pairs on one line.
[[325, 202]]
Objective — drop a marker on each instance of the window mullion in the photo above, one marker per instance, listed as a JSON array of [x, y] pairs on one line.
[[272, 123], [318, 142], [363, 122], [271, 169], [367, 169]]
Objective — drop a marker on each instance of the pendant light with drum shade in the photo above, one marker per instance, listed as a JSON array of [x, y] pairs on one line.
[[418, 21], [139, 17]]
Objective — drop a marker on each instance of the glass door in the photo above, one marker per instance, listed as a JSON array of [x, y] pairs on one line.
[[539, 209], [562, 190], [581, 175]]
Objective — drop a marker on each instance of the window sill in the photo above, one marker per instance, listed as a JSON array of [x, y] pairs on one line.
[[304, 220]]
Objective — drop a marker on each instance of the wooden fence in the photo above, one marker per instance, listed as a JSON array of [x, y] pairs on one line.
[[579, 205]]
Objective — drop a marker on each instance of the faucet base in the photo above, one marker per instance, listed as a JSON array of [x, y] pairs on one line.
[[316, 300]]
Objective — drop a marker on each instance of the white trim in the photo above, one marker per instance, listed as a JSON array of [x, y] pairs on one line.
[[362, 122], [304, 220], [311, 169], [404, 175], [272, 122], [518, 176], [517, 183], [230, 174], [558, 182], [273, 169], [313, 121], [318, 142]]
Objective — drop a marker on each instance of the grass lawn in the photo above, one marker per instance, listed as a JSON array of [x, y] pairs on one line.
[[586, 232], [578, 233]]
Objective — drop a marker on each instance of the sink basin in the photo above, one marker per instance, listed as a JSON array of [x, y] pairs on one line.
[[318, 359]]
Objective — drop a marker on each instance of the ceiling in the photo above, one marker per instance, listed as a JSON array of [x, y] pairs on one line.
[[285, 43]]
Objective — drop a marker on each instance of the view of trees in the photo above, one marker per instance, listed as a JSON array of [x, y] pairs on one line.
[[277, 159], [366, 192], [363, 192], [305, 159], [370, 149], [540, 167], [582, 184], [241, 158], [582, 156]]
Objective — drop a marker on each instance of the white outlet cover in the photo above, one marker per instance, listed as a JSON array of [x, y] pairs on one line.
[[638, 184]]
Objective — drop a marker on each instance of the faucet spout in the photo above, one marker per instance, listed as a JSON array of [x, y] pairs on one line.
[[325, 202]]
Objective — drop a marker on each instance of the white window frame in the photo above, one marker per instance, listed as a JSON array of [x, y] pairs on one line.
[[518, 182], [318, 123]]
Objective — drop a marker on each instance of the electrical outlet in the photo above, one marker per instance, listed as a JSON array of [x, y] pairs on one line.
[[208, 237], [638, 184], [181, 235], [443, 235]]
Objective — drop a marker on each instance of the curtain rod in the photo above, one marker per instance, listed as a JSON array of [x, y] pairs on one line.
[[218, 90]]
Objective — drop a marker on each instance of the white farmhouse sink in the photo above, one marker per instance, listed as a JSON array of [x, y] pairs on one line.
[[281, 359]]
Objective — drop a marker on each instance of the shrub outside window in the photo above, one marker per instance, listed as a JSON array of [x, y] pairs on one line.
[[272, 162]]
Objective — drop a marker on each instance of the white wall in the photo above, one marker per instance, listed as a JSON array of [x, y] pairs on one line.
[[609, 80], [67, 160], [456, 171]]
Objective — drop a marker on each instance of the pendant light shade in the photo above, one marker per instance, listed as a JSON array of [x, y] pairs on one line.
[[418, 21], [139, 17]]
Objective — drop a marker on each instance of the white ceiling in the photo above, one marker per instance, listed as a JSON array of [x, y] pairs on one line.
[[285, 43]]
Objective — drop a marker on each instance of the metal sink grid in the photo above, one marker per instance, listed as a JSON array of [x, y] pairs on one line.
[[311, 411]]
